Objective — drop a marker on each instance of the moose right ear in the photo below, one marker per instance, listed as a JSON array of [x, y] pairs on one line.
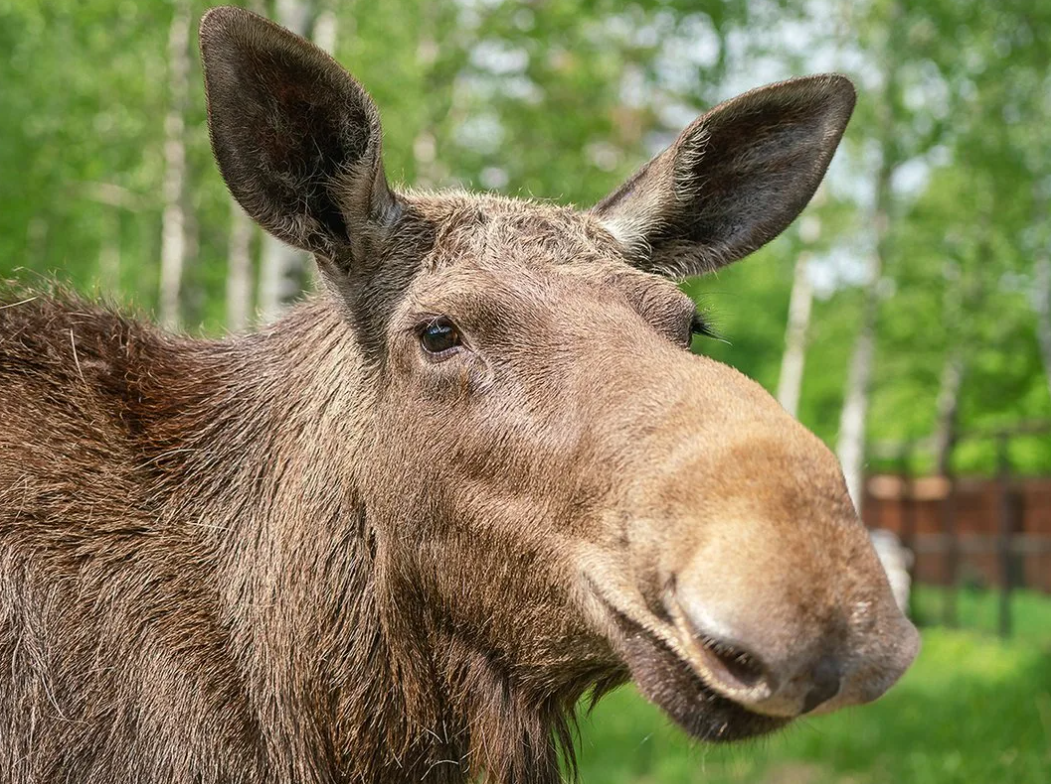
[[733, 180], [296, 138]]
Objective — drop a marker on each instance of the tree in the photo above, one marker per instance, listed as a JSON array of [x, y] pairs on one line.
[[173, 232], [790, 380], [239, 270], [1042, 301]]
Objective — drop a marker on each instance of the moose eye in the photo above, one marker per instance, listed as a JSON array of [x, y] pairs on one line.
[[700, 326], [439, 336]]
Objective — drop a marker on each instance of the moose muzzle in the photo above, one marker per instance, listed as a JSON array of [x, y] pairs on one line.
[[748, 592]]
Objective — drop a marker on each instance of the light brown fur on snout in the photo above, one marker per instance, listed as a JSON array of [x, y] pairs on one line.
[[397, 535]]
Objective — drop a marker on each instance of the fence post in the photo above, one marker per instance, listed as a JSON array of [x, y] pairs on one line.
[[952, 545], [908, 519], [1007, 528]]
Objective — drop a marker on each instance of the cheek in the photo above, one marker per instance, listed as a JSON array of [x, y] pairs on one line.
[[413, 375], [524, 603], [459, 453]]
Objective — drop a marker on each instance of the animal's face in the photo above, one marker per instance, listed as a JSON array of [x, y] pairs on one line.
[[567, 489]]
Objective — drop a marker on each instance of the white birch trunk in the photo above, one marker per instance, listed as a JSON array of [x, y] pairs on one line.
[[173, 227], [282, 267], [1043, 313], [948, 405], [275, 268], [850, 446], [239, 270], [790, 381]]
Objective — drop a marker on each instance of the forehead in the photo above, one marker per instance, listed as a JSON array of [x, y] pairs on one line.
[[487, 226], [478, 237], [497, 265]]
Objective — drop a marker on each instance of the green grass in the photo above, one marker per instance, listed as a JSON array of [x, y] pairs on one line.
[[978, 610], [971, 710]]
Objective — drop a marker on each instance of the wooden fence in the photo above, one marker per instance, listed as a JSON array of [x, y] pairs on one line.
[[988, 532]]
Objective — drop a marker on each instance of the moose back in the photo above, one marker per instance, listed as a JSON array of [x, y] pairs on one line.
[[397, 535]]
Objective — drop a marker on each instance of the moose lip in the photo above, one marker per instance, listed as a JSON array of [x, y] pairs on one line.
[[673, 685]]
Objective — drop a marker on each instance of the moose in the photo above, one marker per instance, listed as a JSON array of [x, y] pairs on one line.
[[399, 534]]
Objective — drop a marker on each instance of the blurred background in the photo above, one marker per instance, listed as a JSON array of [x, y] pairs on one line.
[[905, 317]]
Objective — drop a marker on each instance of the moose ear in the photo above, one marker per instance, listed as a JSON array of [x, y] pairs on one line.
[[296, 138], [733, 180]]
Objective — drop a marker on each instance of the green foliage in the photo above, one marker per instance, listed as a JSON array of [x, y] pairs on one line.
[[562, 100]]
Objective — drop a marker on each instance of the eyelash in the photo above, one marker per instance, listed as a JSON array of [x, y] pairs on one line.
[[699, 326]]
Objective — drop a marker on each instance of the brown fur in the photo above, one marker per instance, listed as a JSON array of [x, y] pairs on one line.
[[171, 510], [319, 554]]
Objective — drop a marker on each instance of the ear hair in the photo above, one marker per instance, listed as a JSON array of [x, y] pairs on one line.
[[297, 139], [733, 180]]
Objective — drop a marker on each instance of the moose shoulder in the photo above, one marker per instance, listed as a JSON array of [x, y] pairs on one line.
[[397, 535]]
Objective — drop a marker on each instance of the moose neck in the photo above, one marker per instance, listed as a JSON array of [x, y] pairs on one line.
[[331, 632]]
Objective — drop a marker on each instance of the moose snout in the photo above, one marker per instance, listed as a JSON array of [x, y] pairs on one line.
[[787, 650], [763, 677]]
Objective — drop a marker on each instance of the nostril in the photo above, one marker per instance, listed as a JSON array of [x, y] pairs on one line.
[[742, 666], [735, 666], [824, 684]]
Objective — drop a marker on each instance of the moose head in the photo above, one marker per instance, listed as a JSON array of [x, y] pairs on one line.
[[557, 494]]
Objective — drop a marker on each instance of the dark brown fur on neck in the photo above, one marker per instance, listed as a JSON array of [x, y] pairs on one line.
[[151, 554]]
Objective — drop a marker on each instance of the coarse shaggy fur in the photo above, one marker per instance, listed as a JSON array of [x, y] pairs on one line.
[[188, 583]]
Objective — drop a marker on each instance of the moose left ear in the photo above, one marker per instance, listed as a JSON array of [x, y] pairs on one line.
[[733, 180], [297, 139]]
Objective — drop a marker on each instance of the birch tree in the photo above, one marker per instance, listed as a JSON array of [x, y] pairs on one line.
[[173, 227], [282, 268], [948, 407], [1043, 312], [850, 445], [1042, 281], [950, 382], [790, 380], [239, 270]]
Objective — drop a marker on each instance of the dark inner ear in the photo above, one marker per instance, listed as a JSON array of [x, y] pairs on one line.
[[296, 138], [301, 142], [733, 180], [737, 193]]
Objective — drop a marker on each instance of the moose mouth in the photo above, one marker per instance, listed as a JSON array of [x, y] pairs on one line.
[[673, 685]]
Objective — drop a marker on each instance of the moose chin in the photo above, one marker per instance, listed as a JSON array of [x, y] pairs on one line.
[[395, 536]]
